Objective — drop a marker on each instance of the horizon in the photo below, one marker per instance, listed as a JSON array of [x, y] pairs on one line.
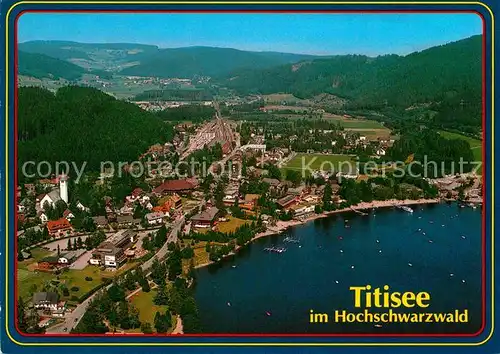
[[252, 51], [309, 34]]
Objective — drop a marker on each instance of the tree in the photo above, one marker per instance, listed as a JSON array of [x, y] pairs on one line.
[[116, 293], [161, 297], [79, 242], [294, 177], [327, 196], [162, 322], [69, 247], [146, 328]]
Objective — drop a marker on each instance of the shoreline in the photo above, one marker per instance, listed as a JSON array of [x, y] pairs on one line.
[[282, 226]]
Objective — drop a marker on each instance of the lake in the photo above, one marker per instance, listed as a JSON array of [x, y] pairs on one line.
[[436, 249]]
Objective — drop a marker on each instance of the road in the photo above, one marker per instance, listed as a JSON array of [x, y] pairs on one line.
[[72, 319]]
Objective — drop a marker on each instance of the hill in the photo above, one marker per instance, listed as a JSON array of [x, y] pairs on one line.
[[207, 61], [104, 56], [447, 71], [83, 125], [43, 66]]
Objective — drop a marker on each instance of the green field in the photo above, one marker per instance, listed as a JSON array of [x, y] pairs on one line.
[[147, 309], [321, 161], [476, 145]]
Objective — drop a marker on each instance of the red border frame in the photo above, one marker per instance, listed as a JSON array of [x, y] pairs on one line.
[[273, 335]]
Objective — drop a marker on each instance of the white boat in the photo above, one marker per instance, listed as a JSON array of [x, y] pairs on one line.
[[405, 208]]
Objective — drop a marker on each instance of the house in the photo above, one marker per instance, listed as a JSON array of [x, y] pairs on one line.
[[49, 198], [266, 219], [125, 220], [30, 189], [287, 201], [273, 182], [100, 221], [47, 301], [180, 186], [59, 227], [298, 191], [155, 218], [43, 217], [250, 201], [380, 152], [303, 210], [135, 195], [205, 218], [82, 207], [70, 257], [68, 215], [111, 253]]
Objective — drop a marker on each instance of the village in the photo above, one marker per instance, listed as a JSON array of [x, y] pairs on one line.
[[69, 248]]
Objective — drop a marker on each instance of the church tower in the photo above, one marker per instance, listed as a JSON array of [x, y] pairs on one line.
[[63, 188]]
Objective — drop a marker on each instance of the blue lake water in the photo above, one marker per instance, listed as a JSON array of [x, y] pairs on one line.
[[261, 292]]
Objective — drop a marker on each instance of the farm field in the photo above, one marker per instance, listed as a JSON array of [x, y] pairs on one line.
[[476, 145], [321, 161]]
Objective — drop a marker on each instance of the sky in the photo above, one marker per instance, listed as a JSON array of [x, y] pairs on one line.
[[320, 34]]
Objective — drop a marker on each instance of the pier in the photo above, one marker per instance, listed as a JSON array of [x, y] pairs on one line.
[[358, 211]]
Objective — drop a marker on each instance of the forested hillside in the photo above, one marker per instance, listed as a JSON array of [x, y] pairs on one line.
[[83, 124], [207, 61], [435, 74], [43, 66]]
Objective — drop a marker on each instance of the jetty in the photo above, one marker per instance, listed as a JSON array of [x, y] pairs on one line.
[[290, 240], [358, 211]]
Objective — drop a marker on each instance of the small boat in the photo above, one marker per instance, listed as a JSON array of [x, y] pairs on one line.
[[463, 280], [336, 281], [352, 267], [341, 238], [442, 225], [463, 237], [268, 313], [423, 233], [379, 251], [233, 266], [347, 226], [409, 264], [228, 304], [405, 208], [377, 241], [430, 241], [378, 325], [341, 251], [451, 274]]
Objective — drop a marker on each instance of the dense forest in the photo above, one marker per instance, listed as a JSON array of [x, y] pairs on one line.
[[43, 66], [84, 125], [428, 146], [192, 113], [446, 73], [174, 94], [207, 61]]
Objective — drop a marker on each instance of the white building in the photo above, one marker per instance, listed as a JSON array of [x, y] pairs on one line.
[[49, 198], [63, 188], [155, 218], [380, 152]]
